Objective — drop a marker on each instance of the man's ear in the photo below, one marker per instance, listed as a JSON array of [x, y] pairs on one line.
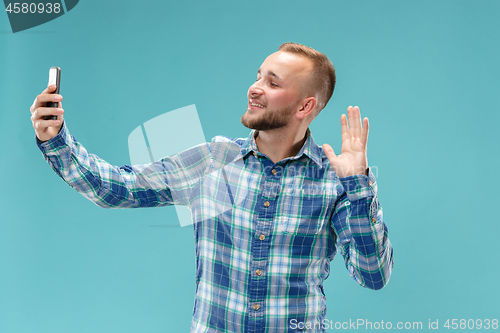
[[307, 107]]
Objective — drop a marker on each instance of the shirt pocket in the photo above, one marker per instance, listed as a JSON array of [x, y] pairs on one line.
[[304, 210]]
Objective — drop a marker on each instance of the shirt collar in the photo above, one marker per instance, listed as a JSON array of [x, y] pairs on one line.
[[310, 148]]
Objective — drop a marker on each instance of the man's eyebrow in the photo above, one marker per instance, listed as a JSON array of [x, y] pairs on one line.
[[270, 73]]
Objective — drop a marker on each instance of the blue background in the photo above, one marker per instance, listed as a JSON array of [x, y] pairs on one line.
[[426, 73]]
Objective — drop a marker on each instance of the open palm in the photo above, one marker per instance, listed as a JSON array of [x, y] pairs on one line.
[[353, 158]]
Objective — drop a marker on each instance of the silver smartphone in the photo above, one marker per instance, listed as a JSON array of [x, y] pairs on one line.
[[54, 78]]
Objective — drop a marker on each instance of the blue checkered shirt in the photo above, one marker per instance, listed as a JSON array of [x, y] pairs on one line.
[[265, 232]]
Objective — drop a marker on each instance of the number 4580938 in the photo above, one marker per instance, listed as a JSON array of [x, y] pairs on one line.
[[471, 324], [33, 8]]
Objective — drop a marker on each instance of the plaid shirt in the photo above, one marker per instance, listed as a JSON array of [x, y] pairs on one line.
[[265, 232]]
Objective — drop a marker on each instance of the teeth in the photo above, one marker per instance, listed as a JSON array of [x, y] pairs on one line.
[[257, 105]]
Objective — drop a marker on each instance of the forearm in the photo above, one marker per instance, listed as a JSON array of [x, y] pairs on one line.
[[106, 185], [362, 233]]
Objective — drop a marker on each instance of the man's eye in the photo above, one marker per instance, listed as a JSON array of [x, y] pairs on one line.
[[274, 84]]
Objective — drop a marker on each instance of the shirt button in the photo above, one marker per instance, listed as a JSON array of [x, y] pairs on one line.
[[255, 153], [267, 204], [258, 272], [262, 237], [370, 183], [374, 220], [256, 307], [274, 172]]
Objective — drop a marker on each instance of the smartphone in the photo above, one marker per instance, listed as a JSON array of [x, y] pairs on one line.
[[54, 78]]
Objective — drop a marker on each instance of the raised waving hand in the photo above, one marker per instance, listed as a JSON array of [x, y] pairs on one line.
[[353, 158]]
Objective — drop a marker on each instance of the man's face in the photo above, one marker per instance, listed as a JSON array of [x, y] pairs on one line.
[[275, 96]]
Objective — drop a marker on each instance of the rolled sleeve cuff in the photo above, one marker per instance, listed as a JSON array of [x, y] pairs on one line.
[[360, 186], [56, 143]]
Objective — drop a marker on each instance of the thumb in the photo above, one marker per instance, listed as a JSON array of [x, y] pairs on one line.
[[330, 154]]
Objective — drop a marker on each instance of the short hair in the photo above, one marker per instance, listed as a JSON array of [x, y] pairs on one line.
[[322, 80]]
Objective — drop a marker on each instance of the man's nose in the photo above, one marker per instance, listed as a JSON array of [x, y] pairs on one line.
[[255, 89]]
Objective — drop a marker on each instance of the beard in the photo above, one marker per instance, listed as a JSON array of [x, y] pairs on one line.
[[269, 120]]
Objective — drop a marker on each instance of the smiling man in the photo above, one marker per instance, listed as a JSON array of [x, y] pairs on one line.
[[262, 260]]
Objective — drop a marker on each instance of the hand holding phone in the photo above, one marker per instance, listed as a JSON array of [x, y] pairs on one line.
[[46, 110], [54, 79]]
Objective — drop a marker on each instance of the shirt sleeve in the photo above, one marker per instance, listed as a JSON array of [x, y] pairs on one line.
[[161, 183], [362, 235]]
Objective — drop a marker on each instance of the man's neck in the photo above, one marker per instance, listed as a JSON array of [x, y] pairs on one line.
[[280, 143]]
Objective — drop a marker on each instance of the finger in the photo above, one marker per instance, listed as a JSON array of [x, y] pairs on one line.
[[41, 99], [50, 89], [350, 121], [355, 122], [43, 111], [344, 127], [364, 132], [44, 98], [41, 125]]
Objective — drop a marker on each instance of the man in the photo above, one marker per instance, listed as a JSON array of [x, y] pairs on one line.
[[287, 203]]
